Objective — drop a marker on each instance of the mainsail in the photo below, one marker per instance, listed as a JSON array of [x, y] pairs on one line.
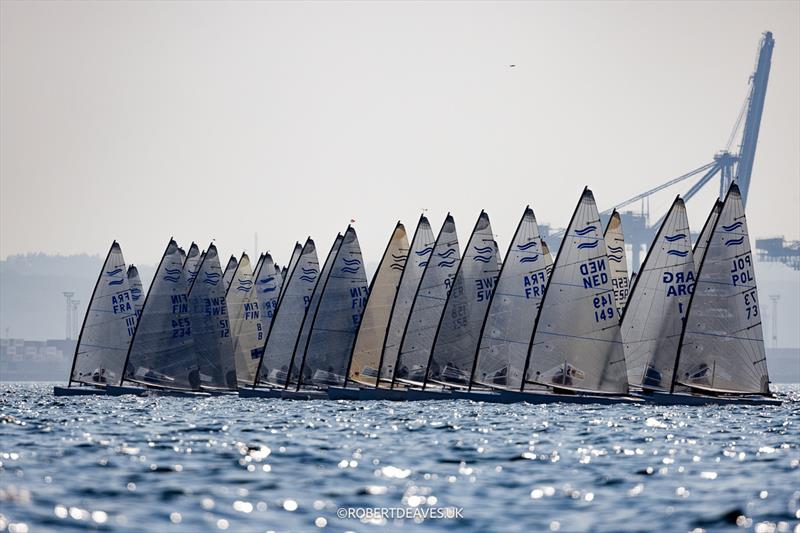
[[182, 254], [162, 351], [652, 324], [722, 348], [286, 270], [107, 327], [458, 335], [701, 245], [267, 288], [311, 311], [137, 292], [426, 311], [191, 264], [247, 329], [513, 308], [282, 335], [333, 327], [230, 269], [412, 269], [617, 260], [374, 325], [210, 320], [576, 340]]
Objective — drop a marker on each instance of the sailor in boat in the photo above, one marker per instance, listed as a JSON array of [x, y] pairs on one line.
[[99, 375], [702, 376], [652, 377]]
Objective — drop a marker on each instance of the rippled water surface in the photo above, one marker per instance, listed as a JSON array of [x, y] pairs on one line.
[[163, 464]]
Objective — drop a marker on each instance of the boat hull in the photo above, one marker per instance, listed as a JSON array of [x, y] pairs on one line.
[[259, 393], [419, 395], [344, 393], [680, 398], [542, 397], [79, 391], [144, 391], [284, 394]]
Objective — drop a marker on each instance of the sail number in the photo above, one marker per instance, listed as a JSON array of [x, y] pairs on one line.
[[181, 327], [751, 304], [604, 307], [594, 273], [741, 270]]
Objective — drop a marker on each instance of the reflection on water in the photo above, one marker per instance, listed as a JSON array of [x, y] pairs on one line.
[[221, 463]]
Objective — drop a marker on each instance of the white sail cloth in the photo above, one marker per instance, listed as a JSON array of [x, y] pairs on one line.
[[617, 260], [247, 329]]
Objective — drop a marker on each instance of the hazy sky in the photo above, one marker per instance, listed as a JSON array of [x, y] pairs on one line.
[[138, 121]]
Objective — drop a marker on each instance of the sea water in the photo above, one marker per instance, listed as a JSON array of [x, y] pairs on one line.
[[224, 463]]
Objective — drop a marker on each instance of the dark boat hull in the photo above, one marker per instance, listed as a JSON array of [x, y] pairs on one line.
[[79, 391], [542, 397], [284, 394], [682, 398], [145, 391]]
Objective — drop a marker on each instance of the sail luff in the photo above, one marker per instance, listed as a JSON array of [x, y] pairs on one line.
[[135, 284], [290, 268], [701, 245], [617, 259]]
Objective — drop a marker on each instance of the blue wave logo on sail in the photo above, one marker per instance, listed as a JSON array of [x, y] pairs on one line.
[[211, 278], [395, 266], [484, 250], [678, 253], [349, 270], [351, 262], [114, 272], [267, 279], [447, 263], [586, 230], [527, 246], [116, 282], [269, 289], [587, 245], [529, 259], [423, 264], [309, 270], [446, 254], [615, 249], [615, 258], [424, 251], [399, 257], [308, 278], [732, 227], [676, 237], [173, 275], [734, 242], [244, 285], [482, 258], [136, 293]]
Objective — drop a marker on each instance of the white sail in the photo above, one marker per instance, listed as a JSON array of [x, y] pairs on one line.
[[137, 291], [182, 254], [230, 269], [211, 323], [426, 311], [375, 321], [576, 341], [107, 327], [336, 320], [247, 329], [311, 311], [290, 268], [268, 284], [192, 263], [652, 324], [617, 260], [458, 335], [701, 245], [282, 335], [162, 351], [723, 343], [412, 269], [512, 311]]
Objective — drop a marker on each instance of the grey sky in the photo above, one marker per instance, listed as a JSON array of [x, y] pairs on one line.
[[138, 121]]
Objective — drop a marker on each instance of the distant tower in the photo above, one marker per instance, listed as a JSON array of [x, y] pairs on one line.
[[68, 296], [774, 325], [75, 323]]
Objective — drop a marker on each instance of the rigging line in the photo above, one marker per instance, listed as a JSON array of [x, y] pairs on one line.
[[738, 123]]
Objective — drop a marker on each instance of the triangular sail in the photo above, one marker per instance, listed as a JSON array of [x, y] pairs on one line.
[[247, 329], [722, 347], [375, 322], [282, 336], [617, 260], [458, 335], [701, 245], [512, 311], [108, 326], [137, 291], [162, 351], [335, 322], [576, 341], [268, 284], [290, 268], [652, 324], [415, 349], [182, 254], [421, 247], [191, 263], [230, 270], [311, 311], [211, 323]]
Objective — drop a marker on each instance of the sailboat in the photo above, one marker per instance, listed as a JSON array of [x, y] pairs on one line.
[[106, 332], [617, 260], [335, 321], [458, 335], [161, 355], [426, 310], [230, 269], [296, 251], [722, 358], [374, 326], [137, 293], [508, 325], [658, 304], [246, 320], [276, 357], [268, 285], [576, 349]]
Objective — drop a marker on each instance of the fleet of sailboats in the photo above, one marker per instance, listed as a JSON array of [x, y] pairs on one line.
[[435, 324]]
